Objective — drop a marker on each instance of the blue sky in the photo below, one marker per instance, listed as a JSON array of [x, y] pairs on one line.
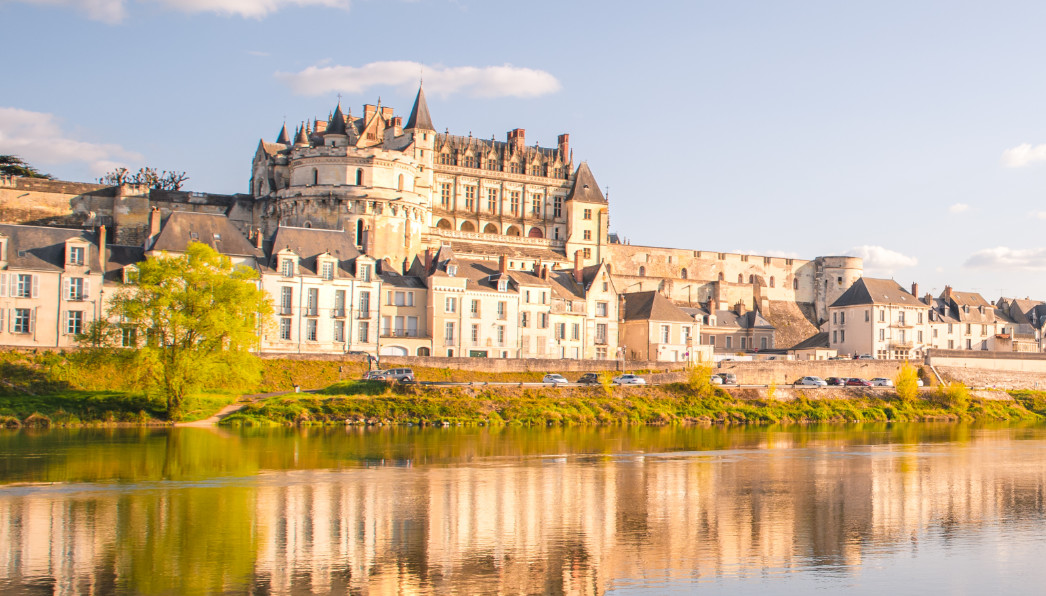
[[912, 134]]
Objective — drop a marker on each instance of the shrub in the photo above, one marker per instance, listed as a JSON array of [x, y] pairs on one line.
[[954, 395], [699, 379], [907, 383]]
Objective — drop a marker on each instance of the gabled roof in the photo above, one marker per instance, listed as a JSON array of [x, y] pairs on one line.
[[749, 320], [585, 188], [817, 340], [309, 243], [868, 290], [216, 231], [43, 248], [419, 114], [652, 306]]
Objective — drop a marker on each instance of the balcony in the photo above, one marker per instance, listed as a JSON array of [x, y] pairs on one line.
[[338, 313], [449, 341], [311, 311], [363, 314], [399, 332], [601, 341], [286, 310], [474, 314]]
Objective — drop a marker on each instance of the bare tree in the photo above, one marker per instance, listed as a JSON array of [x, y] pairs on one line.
[[145, 177]]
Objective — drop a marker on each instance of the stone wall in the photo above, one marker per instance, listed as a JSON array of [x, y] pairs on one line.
[[491, 364], [999, 379], [1008, 361], [785, 372]]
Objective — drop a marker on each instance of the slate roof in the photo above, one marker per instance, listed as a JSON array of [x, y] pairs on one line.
[[817, 340], [337, 122], [309, 243], [42, 248], [216, 231], [975, 303], [396, 280], [509, 250], [419, 114], [652, 306], [749, 320], [585, 188], [120, 257], [867, 290]]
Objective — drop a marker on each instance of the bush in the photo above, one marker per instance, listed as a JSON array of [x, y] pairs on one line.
[[907, 383], [954, 395], [699, 379]]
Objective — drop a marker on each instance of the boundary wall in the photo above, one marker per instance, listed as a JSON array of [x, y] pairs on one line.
[[494, 365]]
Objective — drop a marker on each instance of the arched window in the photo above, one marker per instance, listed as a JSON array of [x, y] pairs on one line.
[[399, 182], [642, 271], [771, 281], [315, 176], [467, 227], [444, 225], [795, 283], [490, 229], [740, 278], [423, 351], [359, 176], [751, 279], [359, 232], [535, 233], [683, 273], [720, 276]]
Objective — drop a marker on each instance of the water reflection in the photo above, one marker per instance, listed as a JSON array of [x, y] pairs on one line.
[[549, 511]]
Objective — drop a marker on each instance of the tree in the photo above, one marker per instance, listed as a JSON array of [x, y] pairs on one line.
[[12, 165], [907, 383], [145, 177], [199, 316]]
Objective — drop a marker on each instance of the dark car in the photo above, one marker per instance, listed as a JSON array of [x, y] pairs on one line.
[[589, 379], [836, 381], [858, 383]]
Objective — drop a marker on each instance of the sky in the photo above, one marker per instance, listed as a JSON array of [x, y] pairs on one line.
[[912, 134]]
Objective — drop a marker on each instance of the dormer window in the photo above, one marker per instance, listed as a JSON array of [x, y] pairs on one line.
[[3, 249], [452, 270], [327, 271], [76, 255], [502, 285], [130, 274], [287, 267], [364, 272]]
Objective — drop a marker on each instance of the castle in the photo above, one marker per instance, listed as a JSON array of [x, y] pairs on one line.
[[403, 192]]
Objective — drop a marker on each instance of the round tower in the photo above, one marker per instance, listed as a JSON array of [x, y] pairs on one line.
[[833, 276]]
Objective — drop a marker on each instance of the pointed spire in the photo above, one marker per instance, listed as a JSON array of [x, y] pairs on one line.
[[337, 122], [283, 135], [419, 114], [585, 188], [302, 138]]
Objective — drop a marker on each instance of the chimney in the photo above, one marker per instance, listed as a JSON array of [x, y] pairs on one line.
[[517, 138], [502, 264], [544, 272], [537, 267], [712, 306], [257, 238], [321, 126], [368, 111], [947, 293], [397, 122], [154, 226], [578, 277], [915, 289], [740, 307], [928, 299], [102, 257], [564, 146], [428, 261], [387, 112]]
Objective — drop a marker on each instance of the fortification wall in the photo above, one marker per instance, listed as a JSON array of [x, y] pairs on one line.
[[37, 201], [494, 365], [785, 372]]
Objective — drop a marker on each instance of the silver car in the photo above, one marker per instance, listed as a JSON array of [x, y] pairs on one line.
[[554, 379], [881, 382], [812, 382], [629, 380]]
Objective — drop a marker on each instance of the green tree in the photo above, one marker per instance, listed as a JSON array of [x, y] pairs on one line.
[[12, 165], [907, 383], [200, 316]]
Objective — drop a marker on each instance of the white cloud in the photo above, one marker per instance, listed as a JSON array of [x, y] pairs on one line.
[[39, 139], [115, 11], [477, 81], [1038, 214], [1001, 257], [1023, 155], [881, 261], [958, 208]]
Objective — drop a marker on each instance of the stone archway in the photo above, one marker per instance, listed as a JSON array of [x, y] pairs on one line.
[[444, 224], [490, 229], [467, 226], [513, 231], [535, 233]]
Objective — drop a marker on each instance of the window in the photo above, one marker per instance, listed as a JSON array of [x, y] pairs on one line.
[[601, 309], [403, 298], [76, 255], [286, 300], [587, 214], [450, 305], [75, 289], [867, 316], [364, 332], [935, 333], [359, 177], [339, 303], [542, 320], [835, 337], [835, 318], [575, 333], [900, 317], [470, 198], [771, 281], [665, 332], [920, 318], [492, 200], [501, 335], [448, 331], [526, 296], [310, 329], [364, 272], [601, 333], [588, 234], [968, 328], [951, 328], [969, 345], [882, 335], [683, 274], [795, 284], [642, 271], [951, 344], [587, 253], [287, 267], [762, 343], [364, 310], [285, 329], [501, 310], [920, 336], [740, 278], [312, 306], [327, 271], [557, 207], [882, 316], [842, 318], [744, 343], [984, 330], [601, 353], [474, 309], [842, 335], [128, 337], [513, 201], [492, 164], [444, 195], [74, 322], [25, 286], [606, 286], [535, 205], [339, 331], [475, 334], [561, 330], [523, 322], [729, 342]]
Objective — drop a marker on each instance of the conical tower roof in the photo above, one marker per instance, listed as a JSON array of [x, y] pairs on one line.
[[585, 188], [303, 137], [419, 114], [337, 122], [283, 138]]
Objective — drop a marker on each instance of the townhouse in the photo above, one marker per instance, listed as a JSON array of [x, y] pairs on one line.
[[878, 317], [653, 328]]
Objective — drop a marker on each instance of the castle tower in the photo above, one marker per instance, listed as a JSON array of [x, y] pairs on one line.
[[587, 223], [832, 277]]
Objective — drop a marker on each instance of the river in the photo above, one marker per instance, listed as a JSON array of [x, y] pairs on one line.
[[865, 509]]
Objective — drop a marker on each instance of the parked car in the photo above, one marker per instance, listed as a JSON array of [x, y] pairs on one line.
[[729, 378], [589, 379], [835, 381], [716, 380], [865, 357], [855, 382], [629, 380], [812, 382], [881, 382], [403, 375], [374, 375], [554, 379]]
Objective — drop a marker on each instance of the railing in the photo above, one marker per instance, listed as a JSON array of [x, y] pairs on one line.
[[338, 313], [474, 314], [399, 332], [363, 314], [502, 316], [286, 310], [312, 311], [449, 341], [601, 341]]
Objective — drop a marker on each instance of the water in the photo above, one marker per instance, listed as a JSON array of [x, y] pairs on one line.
[[866, 509]]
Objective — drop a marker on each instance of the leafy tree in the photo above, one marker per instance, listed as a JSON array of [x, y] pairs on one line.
[[199, 316], [907, 383], [145, 177], [12, 165]]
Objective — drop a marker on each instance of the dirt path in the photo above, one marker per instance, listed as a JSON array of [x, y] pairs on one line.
[[245, 401]]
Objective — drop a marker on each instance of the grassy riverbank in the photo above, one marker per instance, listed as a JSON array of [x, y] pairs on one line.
[[366, 403]]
